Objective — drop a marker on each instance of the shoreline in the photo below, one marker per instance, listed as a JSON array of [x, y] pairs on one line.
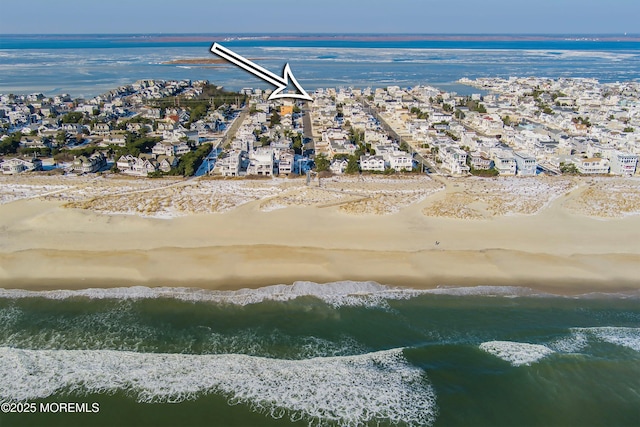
[[221, 268]]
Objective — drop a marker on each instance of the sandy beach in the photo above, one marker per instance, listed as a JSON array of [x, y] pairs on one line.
[[563, 235]]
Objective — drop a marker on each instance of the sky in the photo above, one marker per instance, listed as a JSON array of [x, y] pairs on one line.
[[323, 16]]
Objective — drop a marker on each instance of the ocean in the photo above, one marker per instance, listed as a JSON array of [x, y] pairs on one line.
[[344, 354], [85, 66]]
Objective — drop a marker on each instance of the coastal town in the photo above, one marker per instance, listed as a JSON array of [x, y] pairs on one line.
[[362, 150], [519, 126]]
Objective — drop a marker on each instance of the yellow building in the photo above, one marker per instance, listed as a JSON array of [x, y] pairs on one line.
[[286, 109]]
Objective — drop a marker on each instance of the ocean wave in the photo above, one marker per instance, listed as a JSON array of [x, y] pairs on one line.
[[354, 390], [516, 353], [579, 339], [337, 294], [622, 336], [120, 327]]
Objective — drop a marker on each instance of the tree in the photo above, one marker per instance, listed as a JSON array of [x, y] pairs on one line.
[[569, 168], [190, 162], [275, 119], [73, 117], [10, 144], [353, 165], [61, 138], [297, 143], [322, 163]]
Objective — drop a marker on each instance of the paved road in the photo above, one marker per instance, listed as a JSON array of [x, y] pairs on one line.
[[307, 128], [231, 132], [209, 162], [207, 166]]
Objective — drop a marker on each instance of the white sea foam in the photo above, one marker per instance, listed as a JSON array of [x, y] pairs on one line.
[[516, 353], [625, 337], [337, 293], [350, 390], [344, 293], [574, 343]]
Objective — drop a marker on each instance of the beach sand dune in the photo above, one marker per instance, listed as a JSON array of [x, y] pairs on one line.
[[414, 232]]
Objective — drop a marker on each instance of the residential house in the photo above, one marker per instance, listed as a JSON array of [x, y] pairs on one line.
[[505, 163], [623, 163], [400, 161], [117, 138], [593, 165], [89, 164], [338, 166], [166, 163], [526, 165], [230, 165], [372, 163], [164, 148], [286, 163], [481, 161], [454, 160], [101, 129], [136, 166], [261, 162], [13, 166]]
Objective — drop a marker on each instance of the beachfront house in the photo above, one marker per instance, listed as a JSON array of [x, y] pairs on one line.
[[623, 163], [505, 163], [136, 166], [526, 165], [372, 163], [14, 166], [454, 160], [230, 165], [89, 164], [480, 161], [593, 165], [286, 163], [261, 162], [400, 161], [338, 166]]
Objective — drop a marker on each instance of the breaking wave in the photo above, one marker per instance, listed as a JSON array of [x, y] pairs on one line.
[[349, 390], [516, 353], [344, 293]]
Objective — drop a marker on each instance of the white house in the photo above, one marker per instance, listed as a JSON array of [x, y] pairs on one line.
[[526, 165], [454, 159], [286, 163], [261, 162], [372, 163], [230, 165], [338, 166], [115, 138], [13, 166], [505, 163], [135, 166], [400, 160], [481, 161], [623, 163], [593, 165], [163, 148]]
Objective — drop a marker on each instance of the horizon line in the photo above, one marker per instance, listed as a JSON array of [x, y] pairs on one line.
[[345, 33]]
